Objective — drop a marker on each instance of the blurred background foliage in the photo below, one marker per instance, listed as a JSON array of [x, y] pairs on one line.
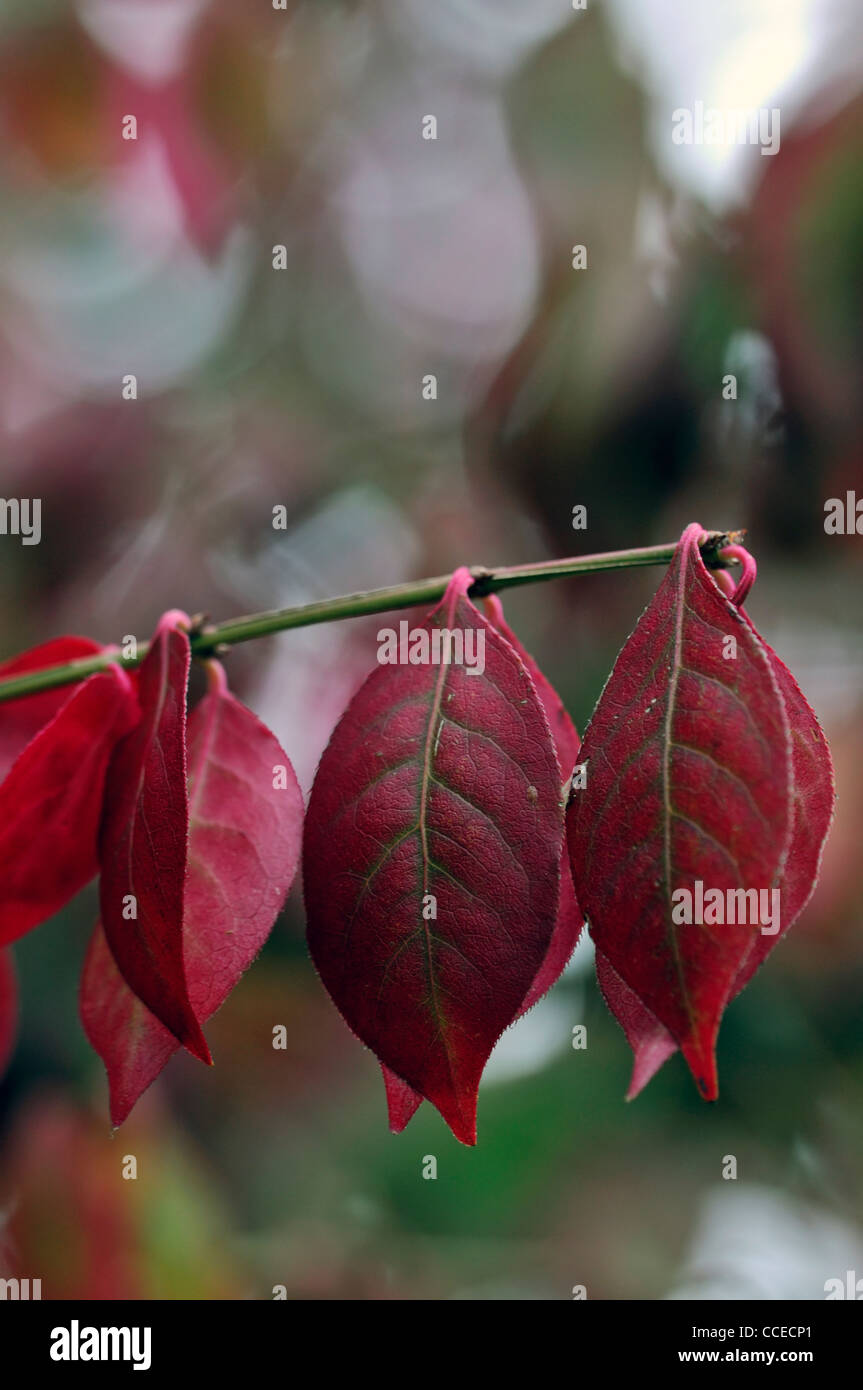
[[301, 387]]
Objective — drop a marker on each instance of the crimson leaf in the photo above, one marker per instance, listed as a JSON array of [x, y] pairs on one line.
[[51, 799], [21, 719], [689, 778], [245, 829], [143, 841], [402, 1099], [436, 782], [812, 811]]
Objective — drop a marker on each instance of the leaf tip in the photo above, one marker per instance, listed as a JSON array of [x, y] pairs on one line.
[[701, 1060], [196, 1043], [120, 1107], [463, 1124]]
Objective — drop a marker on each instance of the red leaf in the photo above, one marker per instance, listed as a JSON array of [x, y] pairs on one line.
[[21, 719], [812, 812], [443, 782], [51, 800], [402, 1099], [144, 838], [244, 845], [8, 1009], [689, 778]]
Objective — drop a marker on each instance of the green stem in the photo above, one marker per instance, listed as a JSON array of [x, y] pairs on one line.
[[213, 639]]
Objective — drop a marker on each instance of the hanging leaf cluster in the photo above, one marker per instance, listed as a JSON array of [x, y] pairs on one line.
[[457, 837]]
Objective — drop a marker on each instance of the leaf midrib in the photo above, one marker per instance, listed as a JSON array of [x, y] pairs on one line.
[[668, 811], [434, 718]]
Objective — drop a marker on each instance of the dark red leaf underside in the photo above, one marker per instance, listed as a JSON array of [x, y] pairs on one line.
[[436, 782], [51, 799], [689, 778], [245, 831], [144, 840]]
